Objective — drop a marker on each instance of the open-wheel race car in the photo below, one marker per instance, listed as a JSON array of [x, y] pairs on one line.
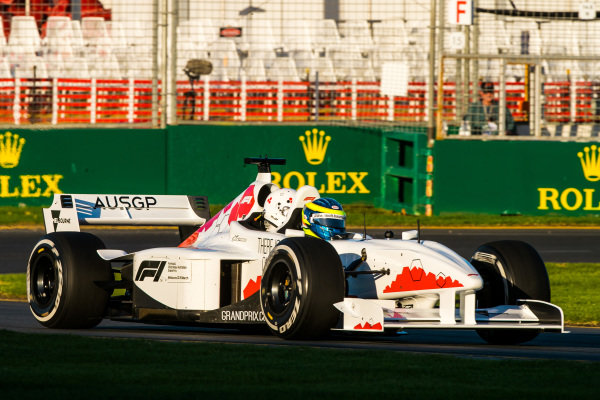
[[262, 260]]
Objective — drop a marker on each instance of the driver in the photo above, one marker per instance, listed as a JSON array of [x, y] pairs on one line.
[[324, 218]]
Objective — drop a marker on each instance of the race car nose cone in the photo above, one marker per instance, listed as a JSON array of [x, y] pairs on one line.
[[473, 281]]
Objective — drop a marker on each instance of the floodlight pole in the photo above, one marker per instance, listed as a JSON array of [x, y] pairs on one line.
[[164, 62], [155, 71], [430, 84]]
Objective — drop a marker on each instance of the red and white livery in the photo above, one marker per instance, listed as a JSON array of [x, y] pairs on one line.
[[237, 268]]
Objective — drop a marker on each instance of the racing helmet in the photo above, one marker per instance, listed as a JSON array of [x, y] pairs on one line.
[[323, 218], [278, 208]]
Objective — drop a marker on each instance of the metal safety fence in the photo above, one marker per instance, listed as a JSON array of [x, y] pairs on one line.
[[419, 62]]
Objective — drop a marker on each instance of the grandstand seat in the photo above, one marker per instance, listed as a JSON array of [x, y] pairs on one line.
[[94, 33], [76, 68], [118, 43], [389, 53], [298, 35], [59, 36], [326, 36], [4, 68], [283, 68], [324, 67], [191, 36], [141, 68], [521, 30], [304, 60], [495, 39], [77, 39], [103, 64], [390, 32], [30, 66], [115, 32], [591, 39], [224, 57], [139, 36], [356, 34], [350, 62], [558, 38], [54, 65], [2, 37], [254, 69], [24, 32], [260, 38]]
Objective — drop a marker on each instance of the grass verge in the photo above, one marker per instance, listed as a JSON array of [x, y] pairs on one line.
[[358, 214], [574, 289], [13, 286], [105, 368]]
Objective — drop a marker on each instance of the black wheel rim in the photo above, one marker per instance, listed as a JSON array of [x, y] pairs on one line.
[[280, 288], [44, 282]]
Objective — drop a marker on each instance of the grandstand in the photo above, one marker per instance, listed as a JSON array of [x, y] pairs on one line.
[[94, 61]]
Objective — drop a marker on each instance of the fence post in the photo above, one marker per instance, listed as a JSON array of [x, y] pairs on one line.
[[17, 102], [154, 51], [537, 115], [93, 102], [390, 108], [279, 100], [206, 98], [54, 101], [354, 98], [317, 96], [573, 98], [131, 111], [502, 105], [243, 98]]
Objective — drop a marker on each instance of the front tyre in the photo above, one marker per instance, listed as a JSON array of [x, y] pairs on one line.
[[62, 272], [302, 279], [511, 270]]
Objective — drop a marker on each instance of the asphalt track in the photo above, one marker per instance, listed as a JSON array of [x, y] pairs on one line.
[[555, 245], [581, 344]]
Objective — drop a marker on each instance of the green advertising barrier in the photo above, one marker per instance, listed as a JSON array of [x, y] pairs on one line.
[[340, 162], [35, 164], [517, 177], [385, 168]]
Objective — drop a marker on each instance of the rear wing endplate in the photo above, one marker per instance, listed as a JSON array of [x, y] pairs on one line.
[[69, 211]]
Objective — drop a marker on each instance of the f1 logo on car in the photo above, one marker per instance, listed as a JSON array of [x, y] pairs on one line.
[[150, 269]]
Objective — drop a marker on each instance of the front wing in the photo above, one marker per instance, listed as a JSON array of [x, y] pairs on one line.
[[376, 315]]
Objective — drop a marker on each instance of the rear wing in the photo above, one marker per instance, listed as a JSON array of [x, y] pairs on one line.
[[69, 211]]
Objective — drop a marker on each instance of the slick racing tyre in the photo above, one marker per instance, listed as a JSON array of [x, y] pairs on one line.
[[302, 279], [510, 270], [62, 273]]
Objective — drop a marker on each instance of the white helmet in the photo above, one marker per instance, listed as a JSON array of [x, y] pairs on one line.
[[278, 208]]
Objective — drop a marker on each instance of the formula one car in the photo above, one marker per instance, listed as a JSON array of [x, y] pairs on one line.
[[235, 269]]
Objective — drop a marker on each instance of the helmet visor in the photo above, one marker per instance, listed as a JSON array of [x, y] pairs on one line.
[[329, 220]]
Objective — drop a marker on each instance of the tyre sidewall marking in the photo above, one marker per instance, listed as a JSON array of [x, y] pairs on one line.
[[51, 246], [284, 250]]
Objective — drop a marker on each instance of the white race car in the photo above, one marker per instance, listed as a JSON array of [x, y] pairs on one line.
[[251, 265]]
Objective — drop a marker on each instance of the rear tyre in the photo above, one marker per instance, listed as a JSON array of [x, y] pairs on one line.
[[510, 270], [61, 274], [302, 279]]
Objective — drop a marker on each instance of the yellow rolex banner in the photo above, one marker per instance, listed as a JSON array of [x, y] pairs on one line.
[[517, 177], [36, 164], [340, 162]]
